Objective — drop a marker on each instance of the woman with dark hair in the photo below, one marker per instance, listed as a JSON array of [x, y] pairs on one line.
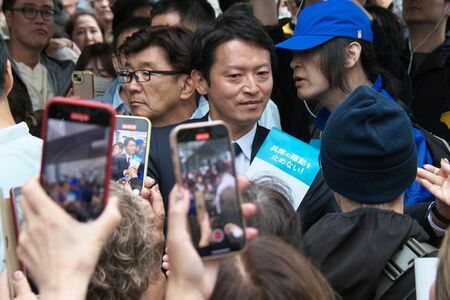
[[270, 269], [85, 29], [97, 58], [333, 54]]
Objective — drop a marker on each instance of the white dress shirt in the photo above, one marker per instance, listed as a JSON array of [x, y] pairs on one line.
[[242, 161]]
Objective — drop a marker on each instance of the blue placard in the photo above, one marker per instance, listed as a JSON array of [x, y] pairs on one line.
[[290, 155]]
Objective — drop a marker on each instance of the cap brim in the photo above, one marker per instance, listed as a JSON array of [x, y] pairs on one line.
[[303, 42]]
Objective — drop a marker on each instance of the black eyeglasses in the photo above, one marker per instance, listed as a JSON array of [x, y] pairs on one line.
[[31, 12], [141, 75]]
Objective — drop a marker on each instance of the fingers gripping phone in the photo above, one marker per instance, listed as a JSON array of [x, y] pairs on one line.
[[76, 158], [131, 145], [204, 165]]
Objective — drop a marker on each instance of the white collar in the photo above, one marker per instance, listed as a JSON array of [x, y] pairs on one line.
[[13, 132], [246, 141]]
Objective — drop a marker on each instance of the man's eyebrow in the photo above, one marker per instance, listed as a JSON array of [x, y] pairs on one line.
[[34, 5], [240, 67], [147, 64]]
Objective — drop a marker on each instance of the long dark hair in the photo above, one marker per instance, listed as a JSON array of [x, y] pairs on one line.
[[332, 64]]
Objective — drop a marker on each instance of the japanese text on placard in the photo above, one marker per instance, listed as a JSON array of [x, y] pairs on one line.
[[290, 160]]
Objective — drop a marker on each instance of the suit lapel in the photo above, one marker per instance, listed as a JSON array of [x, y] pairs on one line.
[[260, 136]]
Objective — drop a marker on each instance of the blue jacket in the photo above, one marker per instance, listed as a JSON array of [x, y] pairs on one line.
[[415, 193]]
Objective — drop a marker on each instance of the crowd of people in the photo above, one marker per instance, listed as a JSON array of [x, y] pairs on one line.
[[369, 79]]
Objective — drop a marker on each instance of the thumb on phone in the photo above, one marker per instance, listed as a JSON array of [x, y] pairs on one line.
[[22, 288], [109, 219]]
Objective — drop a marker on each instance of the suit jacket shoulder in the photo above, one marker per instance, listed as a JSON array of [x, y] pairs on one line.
[[160, 165], [260, 137]]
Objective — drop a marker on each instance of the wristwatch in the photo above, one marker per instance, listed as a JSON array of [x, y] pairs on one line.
[[438, 216]]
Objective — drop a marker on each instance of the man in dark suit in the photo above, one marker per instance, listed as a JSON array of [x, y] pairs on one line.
[[232, 61], [121, 162]]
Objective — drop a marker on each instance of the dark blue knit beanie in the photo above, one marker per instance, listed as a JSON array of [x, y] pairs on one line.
[[367, 148]]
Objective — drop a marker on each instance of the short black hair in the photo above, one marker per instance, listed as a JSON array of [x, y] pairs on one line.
[[196, 12], [176, 42], [123, 10], [4, 56], [119, 144], [9, 4], [225, 28], [225, 4], [127, 141], [138, 22]]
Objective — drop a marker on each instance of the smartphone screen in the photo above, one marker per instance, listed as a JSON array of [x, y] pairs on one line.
[[206, 168], [130, 152], [77, 156]]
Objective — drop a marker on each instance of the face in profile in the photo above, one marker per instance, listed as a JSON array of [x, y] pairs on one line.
[[86, 32], [157, 98], [240, 82], [310, 82]]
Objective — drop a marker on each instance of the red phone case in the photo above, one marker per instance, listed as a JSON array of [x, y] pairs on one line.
[[89, 104]]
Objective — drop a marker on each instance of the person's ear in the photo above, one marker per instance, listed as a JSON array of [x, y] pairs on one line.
[[188, 88], [200, 83], [9, 81], [353, 54]]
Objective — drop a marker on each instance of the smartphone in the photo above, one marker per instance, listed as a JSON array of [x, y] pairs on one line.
[[17, 224], [204, 165], [131, 144], [86, 85], [8, 245], [76, 158]]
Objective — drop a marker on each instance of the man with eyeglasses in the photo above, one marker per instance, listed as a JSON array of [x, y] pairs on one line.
[[156, 75], [31, 25]]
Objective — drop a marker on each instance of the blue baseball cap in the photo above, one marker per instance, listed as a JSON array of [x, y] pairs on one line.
[[322, 21]]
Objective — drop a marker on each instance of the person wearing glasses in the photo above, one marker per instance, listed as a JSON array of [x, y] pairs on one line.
[[31, 26], [156, 75]]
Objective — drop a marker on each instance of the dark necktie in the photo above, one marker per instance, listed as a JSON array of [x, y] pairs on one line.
[[128, 161], [237, 149]]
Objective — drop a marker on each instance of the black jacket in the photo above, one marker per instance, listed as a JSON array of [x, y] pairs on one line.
[[318, 201], [431, 86], [160, 165], [352, 249]]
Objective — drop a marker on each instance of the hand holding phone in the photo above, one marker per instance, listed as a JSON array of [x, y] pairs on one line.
[[204, 165], [76, 159], [186, 267]]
